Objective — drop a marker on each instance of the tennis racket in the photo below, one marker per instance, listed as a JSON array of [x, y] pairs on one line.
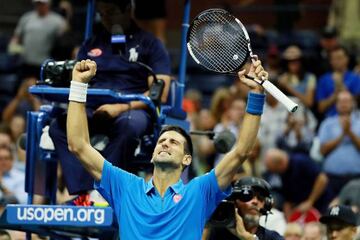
[[219, 42]]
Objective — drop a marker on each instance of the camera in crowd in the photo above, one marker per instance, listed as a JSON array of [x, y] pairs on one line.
[[244, 190], [56, 73]]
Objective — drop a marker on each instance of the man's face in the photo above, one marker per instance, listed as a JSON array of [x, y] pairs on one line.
[[42, 8], [250, 211], [340, 231], [169, 150], [339, 60], [344, 103], [6, 161], [5, 140], [111, 15], [312, 233], [237, 110]]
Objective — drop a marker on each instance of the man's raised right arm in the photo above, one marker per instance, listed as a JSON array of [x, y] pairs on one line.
[[77, 124]]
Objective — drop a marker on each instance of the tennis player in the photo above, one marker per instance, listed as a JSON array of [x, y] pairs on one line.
[[163, 207]]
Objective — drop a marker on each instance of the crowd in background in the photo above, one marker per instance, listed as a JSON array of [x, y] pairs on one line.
[[311, 158]]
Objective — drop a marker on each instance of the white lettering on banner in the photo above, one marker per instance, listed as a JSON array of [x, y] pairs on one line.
[[60, 214]]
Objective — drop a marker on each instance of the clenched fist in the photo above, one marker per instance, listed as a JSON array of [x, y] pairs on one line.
[[84, 71]]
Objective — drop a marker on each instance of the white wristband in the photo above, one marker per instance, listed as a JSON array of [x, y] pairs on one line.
[[78, 91]]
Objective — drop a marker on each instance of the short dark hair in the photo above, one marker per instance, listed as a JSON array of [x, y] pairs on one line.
[[340, 48], [188, 148]]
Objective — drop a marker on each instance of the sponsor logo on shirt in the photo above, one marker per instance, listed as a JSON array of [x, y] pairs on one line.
[[95, 52], [177, 198]]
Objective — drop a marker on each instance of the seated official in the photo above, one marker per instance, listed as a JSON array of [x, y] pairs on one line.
[[122, 124]]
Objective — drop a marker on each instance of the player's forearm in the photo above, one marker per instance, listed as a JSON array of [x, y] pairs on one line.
[[77, 127], [229, 165], [247, 135]]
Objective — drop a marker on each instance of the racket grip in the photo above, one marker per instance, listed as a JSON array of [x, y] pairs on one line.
[[280, 96]]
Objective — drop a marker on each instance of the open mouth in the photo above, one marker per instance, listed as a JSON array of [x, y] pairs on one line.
[[163, 152]]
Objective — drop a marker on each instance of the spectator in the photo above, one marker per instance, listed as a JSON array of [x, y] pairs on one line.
[[22, 102], [12, 181], [340, 222], [17, 126], [340, 143], [344, 16], [330, 84], [273, 63], [328, 42], [293, 232], [299, 131], [248, 212], [303, 184], [5, 136], [349, 195], [123, 124], [296, 81], [220, 104], [35, 34], [313, 231], [273, 123]]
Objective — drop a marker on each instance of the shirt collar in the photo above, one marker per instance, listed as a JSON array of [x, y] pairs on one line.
[[176, 187]]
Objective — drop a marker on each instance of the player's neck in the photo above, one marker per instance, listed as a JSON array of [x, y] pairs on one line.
[[162, 179]]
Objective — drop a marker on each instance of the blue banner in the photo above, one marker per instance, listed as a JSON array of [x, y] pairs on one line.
[[59, 215]]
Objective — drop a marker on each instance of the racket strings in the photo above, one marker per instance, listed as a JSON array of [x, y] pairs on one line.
[[214, 47], [219, 42]]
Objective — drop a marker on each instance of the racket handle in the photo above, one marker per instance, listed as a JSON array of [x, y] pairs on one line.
[[280, 96]]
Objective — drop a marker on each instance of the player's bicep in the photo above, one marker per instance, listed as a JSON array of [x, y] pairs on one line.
[[226, 169]]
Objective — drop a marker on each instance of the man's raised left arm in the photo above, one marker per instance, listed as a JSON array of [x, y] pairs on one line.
[[229, 165]]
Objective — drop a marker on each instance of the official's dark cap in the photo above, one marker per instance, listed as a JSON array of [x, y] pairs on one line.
[[340, 213]]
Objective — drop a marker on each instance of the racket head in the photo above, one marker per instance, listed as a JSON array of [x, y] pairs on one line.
[[218, 41]]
